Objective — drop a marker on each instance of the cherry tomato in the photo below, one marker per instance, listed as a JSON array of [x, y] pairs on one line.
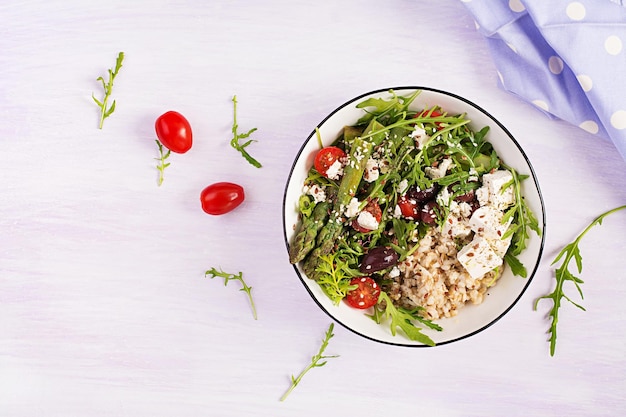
[[221, 197], [373, 208], [326, 157], [409, 207], [174, 131], [434, 113], [365, 295]]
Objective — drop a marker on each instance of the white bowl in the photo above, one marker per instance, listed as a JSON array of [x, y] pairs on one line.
[[470, 319]]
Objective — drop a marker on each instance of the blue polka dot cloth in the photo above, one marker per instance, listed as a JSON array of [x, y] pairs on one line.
[[567, 58]]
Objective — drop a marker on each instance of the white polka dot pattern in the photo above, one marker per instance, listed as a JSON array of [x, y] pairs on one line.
[[585, 82], [590, 126], [575, 10], [564, 57], [618, 119], [516, 6], [613, 45], [541, 104]]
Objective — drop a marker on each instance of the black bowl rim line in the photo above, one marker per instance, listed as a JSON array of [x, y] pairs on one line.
[[533, 175]]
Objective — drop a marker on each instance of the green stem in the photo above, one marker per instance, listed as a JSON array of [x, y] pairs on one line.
[[103, 111]]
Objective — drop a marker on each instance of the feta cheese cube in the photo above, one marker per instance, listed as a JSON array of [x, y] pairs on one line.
[[397, 212], [335, 171], [367, 221], [316, 192], [395, 272], [403, 186], [500, 246], [420, 136], [353, 208], [440, 170], [487, 222], [371, 170], [482, 195], [493, 192], [457, 225], [478, 257]]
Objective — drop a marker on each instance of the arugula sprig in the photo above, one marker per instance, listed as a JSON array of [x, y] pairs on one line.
[[403, 319], [161, 161], [212, 273], [105, 109], [237, 137], [334, 277], [523, 220], [563, 275], [386, 111], [317, 361]]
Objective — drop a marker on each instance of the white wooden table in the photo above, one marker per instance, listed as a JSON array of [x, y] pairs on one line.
[[104, 307]]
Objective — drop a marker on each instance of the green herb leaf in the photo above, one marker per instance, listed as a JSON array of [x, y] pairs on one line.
[[105, 109], [403, 319], [241, 147], [523, 221], [563, 275], [334, 277], [386, 110], [162, 164], [317, 361], [212, 273]]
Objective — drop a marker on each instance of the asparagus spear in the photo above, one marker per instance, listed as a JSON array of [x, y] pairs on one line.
[[304, 241], [353, 173]]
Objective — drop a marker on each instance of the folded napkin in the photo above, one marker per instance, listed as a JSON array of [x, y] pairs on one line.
[[566, 57]]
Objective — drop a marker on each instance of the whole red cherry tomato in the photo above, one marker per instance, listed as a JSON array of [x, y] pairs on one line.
[[221, 197], [325, 159], [365, 295], [174, 131]]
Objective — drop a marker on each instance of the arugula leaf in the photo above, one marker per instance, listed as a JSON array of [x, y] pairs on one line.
[[162, 164], [235, 141], [523, 220], [317, 361], [105, 109], [390, 110], [563, 275], [334, 277], [403, 319], [212, 273]]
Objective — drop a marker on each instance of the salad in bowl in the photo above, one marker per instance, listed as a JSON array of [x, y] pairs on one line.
[[413, 217]]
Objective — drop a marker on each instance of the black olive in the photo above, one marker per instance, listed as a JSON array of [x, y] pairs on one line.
[[427, 194], [377, 259], [428, 214]]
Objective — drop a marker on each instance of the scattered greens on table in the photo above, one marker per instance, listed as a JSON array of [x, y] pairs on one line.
[[212, 273], [317, 361], [563, 274], [107, 86], [237, 137], [161, 165], [329, 249]]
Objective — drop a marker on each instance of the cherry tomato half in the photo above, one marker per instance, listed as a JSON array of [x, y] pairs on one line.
[[372, 208], [434, 113], [326, 157], [174, 131], [409, 207], [221, 197], [365, 295]]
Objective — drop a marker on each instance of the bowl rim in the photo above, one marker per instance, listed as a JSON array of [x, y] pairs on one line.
[[398, 89]]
